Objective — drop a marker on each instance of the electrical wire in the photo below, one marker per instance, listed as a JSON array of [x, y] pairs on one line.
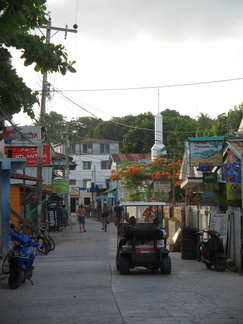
[[151, 87]]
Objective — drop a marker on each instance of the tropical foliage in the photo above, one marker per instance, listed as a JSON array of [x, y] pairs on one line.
[[138, 178], [17, 18]]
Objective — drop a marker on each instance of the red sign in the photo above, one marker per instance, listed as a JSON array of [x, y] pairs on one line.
[[30, 154]]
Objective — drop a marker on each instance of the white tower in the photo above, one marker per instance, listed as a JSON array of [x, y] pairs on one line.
[[156, 150]]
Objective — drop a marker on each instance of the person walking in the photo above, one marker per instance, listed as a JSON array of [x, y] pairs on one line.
[[104, 214], [118, 213], [81, 213], [64, 216]]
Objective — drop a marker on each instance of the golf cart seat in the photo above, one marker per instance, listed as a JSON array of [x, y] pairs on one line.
[[143, 235]]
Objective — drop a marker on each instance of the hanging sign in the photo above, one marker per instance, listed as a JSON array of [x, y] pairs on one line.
[[30, 153], [233, 177], [206, 151], [160, 185]]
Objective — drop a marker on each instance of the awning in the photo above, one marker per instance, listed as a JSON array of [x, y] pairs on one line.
[[21, 176], [191, 183], [110, 190], [206, 139]]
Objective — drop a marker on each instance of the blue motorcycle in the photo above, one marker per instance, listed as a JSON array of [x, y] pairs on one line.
[[21, 259]]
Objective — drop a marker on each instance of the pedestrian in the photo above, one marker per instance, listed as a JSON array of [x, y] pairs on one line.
[[64, 216], [104, 214], [81, 213], [148, 214], [118, 213], [161, 242]]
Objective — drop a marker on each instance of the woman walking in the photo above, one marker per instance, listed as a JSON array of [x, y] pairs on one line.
[[81, 213]]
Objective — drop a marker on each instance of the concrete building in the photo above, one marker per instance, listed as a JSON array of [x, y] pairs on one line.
[[91, 176]]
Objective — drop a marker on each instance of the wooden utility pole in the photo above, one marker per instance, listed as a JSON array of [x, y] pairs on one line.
[[45, 89]]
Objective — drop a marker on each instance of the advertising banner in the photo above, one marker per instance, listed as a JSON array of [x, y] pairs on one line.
[[233, 177], [206, 151], [22, 136], [218, 222], [61, 186], [52, 210], [30, 153], [74, 192]]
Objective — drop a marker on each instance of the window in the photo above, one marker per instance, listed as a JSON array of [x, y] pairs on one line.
[[85, 182], [86, 165], [105, 165], [72, 182], [87, 201], [87, 148], [105, 148]]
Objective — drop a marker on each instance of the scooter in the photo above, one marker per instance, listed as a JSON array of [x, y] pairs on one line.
[[21, 259], [211, 250]]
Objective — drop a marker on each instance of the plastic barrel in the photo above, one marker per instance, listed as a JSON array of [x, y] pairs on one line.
[[188, 244]]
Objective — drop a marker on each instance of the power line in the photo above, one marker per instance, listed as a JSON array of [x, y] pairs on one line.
[[140, 88], [154, 87]]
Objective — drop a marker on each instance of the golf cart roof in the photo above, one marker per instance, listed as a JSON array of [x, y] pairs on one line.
[[143, 203]]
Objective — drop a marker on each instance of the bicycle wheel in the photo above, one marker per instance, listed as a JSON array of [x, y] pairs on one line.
[[53, 245], [27, 230], [5, 264], [44, 245]]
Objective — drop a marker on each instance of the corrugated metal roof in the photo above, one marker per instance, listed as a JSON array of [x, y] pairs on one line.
[[131, 157], [236, 144], [21, 176]]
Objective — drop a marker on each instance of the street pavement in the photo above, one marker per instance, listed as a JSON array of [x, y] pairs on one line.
[[78, 283]]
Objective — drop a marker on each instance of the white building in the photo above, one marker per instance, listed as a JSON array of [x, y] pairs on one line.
[[92, 174]]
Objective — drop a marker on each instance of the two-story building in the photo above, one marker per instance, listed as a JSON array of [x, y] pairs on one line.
[[91, 176]]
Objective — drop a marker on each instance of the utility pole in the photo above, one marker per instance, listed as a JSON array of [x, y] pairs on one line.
[[67, 173], [45, 89]]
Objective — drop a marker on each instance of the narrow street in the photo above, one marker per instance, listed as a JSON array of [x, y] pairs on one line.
[[78, 283]]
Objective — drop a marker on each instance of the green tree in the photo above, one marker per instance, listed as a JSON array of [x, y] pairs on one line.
[[137, 178], [115, 128], [140, 138], [228, 124], [82, 127], [55, 125], [176, 131], [205, 124], [16, 19]]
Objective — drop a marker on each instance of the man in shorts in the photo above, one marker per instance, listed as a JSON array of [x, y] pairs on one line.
[[118, 213]]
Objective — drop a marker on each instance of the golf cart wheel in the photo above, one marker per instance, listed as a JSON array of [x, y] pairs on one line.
[[166, 265], [124, 265]]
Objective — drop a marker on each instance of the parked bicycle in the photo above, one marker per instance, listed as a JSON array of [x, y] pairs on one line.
[[44, 231], [24, 229], [39, 236]]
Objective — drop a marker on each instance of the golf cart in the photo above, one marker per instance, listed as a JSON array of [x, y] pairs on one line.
[[141, 246]]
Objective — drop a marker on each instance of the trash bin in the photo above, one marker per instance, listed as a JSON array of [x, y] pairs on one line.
[[188, 244]]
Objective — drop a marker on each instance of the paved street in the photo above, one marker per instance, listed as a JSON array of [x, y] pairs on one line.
[[78, 283]]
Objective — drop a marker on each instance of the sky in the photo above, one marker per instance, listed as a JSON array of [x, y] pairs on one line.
[[138, 56]]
